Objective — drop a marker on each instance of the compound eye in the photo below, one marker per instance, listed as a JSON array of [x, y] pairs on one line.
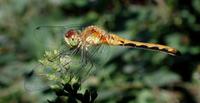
[[70, 33]]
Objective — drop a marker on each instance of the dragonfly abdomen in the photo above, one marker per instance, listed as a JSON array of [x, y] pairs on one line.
[[119, 41], [152, 46]]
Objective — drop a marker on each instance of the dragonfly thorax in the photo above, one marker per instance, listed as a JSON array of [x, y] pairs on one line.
[[72, 38], [93, 35]]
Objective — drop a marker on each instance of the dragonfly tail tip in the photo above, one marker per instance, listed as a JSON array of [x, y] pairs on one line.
[[177, 53]]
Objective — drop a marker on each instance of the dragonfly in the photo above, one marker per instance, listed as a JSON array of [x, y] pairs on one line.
[[94, 36], [86, 43]]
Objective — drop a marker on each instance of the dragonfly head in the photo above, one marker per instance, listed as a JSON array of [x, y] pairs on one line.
[[72, 38]]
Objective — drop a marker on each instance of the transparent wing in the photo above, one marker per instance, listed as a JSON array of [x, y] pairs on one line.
[[82, 64], [51, 49], [58, 64], [49, 38], [95, 58]]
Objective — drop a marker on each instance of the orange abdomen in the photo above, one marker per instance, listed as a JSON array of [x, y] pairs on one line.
[[119, 41]]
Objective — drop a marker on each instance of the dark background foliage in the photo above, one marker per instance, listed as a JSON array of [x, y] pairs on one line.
[[130, 75]]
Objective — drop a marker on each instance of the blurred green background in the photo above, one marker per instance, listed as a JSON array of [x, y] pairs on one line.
[[130, 75]]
